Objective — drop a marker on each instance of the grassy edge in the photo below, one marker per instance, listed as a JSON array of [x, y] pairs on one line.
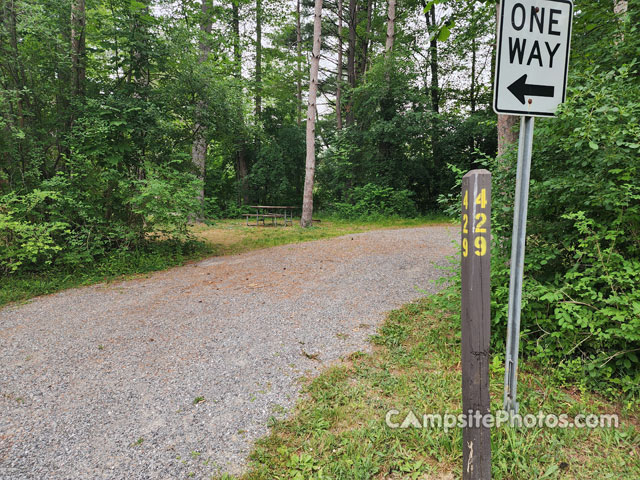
[[338, 429], [163, 255]]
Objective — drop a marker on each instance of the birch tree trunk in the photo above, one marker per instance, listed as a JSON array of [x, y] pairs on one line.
[[391, 23], [620, 7], [299, 62], [199, 146], [472, 88], [258, 60], [307, 202], [339, 77]]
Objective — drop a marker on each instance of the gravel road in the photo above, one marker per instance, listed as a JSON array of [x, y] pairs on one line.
[[179, 372]]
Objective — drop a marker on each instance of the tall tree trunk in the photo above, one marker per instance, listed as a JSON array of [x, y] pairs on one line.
[[367, 40], [339, 76], [199, 146], [387, 101], [434, 90], [507, 135], [78, 49], [299, 62], [433, 50], [258, 60], [620, 7], [307, 203], [18, 76], [391, 23], [241, 159], [351, 56], [15, 66], [506, 123], [472, 88], [237, 53]]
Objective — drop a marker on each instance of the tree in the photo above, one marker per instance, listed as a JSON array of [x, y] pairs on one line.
[[199, 148], [367, 38], [307, 204], [391, 22], [78, 48], [339, 75], [258, 60], [241, 157], [298, 64], [507, 136], [430, 17], [351, 56]]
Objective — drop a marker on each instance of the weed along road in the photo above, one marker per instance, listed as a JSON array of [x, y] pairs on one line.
[[179, 372]]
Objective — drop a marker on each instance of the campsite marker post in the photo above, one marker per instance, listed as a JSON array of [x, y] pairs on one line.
[[476, 322]]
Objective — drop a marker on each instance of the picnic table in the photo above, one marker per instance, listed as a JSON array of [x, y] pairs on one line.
[[274, 212]]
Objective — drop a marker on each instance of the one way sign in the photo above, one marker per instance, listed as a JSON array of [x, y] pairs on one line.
[[533, 56]]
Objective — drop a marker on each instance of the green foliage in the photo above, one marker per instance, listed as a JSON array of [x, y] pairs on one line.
[[105, 168], [26, 236], [370, 201], [126, 260], [581, 300], [166, 201], [399, 142], [277, 175]]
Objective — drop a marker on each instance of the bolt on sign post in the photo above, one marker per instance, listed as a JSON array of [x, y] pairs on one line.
[[476, 322], [532, 60]]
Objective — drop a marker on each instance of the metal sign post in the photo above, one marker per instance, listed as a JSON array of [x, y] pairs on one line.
[[532, 61], [517, 263]]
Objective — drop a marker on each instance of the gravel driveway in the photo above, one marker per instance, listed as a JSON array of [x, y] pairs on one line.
[[178, 373]]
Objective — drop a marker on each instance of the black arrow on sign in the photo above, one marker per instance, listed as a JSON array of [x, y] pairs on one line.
[[520, 88]]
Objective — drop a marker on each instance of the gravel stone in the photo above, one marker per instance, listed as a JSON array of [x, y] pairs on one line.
[[178, 373]]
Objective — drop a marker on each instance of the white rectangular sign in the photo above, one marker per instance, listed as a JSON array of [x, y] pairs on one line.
[[532, 60]]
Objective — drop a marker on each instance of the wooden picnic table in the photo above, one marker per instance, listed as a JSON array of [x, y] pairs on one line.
[[274, 212]]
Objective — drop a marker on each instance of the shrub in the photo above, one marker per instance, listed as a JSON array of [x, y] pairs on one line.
[[581, 295], [27, 238], [373, 200]]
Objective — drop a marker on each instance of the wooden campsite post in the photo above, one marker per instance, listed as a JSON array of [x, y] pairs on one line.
[[476, 323]]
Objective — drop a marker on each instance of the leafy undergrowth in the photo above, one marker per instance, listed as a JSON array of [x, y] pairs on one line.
[[224, 237], [116, 265], [338, 430]]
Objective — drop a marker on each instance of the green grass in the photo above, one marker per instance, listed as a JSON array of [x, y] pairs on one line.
[[338, 430], [227, 237], [224, 237]]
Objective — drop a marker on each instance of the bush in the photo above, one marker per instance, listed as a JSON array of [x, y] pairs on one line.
[[166, 201], [26, 237], [63, 225], [581, 295], [375, 201]]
